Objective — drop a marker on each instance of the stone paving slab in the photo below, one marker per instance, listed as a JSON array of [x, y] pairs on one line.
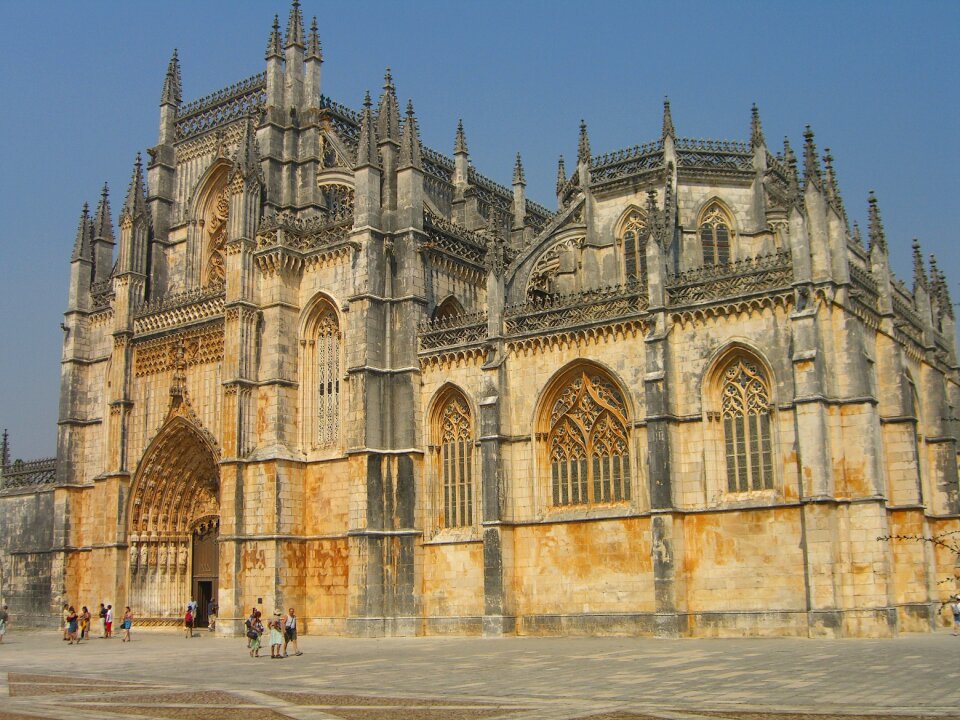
[[164, 675]]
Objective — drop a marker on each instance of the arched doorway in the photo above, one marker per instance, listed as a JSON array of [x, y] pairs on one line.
[[173, 523]]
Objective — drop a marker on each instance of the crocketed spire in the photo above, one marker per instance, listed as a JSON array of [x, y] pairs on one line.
[[583, 148], [875, 228], [83, 244], [460, 142], [295, 26], [172, 86], [102, 222], [793, 178], [367, 147], [410, 150], [561, 175], [668, 130], [136, 203], [811, 164], [274, 47], [756, 128], [832, 186], [919, 273], [246, 162], [314, 48], [388, 115], [857, 236], [518, 178]]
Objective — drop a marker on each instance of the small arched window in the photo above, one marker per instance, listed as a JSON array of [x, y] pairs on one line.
[[588, 441], [715, 235], [448, 309], [453, 434], [632, 246], [745, 412], [321, 377]]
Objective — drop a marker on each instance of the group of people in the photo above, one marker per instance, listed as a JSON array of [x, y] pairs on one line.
[[282, 629], [76, 626], [190, 617]]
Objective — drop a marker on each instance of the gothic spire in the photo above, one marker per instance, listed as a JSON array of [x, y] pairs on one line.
[[857, 237], [667, 119], [274, 47], [518, 178], [388, 115], [946, 306], [583, 148], [410, 150], [102, 222], [367, 147], [246, 162], [833, 188], [793, 178], [5, 450], [172, 85], [756, 129], [460, 142], [314, 49], [82, 245], [919, 273], [295, 26], [136, 202], [561, 175], [875, 228], [936, 281], [811, 165]]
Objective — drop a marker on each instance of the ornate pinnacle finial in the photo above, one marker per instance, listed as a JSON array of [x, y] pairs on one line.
[[875, 228], [82, 245], [295, 26], [5, 449], [388, 115], [410, 151], [274, 46], [793, 178], [943, 291], [811, 165], [857, 237], [518, 178], [102, 222], [136, 201], [832, 186], [756, 129], [460, 142], [314, 48], [919, 273], [367, 147], [172, 85], [668, 130], [561, 175], [936, 281], [583, 148], [246, 162]]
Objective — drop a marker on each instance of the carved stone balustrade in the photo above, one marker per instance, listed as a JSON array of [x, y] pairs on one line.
[[455, 331], [583, 308], [179, 309], [30, 474], [733, 280], [231, 103]]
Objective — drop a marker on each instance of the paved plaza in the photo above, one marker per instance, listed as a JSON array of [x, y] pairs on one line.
[[164, 675]]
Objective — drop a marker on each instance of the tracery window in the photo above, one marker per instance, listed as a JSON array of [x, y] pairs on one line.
[[453, 430], [633, 249], [745, 412], [588, 442], [448, 309], [715, 235], [321, 384]]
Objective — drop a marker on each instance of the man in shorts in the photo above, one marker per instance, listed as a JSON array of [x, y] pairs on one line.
[[290, 632]]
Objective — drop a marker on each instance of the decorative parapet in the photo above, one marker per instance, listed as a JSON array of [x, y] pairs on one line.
[[905, 318], [456, 331], [583, 308], [30, 474], [628, 162], [714, 157], [490, 193], [744, 277], [437, 165], [302, 234], [181, 308], [450, 239], [864, 287], [101, 294], [221, 107]]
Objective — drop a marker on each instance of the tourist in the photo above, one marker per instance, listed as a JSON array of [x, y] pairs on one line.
[[103, 620], [85, 624], [64, 624], [4, 621], [108, 623], [211, 615], [276, 636], [188, 623], [290, 632], [127, 623], [254, 633], [249, 624], [72, 622]]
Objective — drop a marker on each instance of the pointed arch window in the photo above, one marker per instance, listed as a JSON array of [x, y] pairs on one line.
[[321, 350], [453, 432], [588, 442], [448, 309], [632, 238], [745, 412], [715, 235]]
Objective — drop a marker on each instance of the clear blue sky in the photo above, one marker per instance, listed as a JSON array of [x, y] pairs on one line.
[[81, 85]]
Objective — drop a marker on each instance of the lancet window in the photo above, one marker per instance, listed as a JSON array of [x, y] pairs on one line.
[[715, 235], [632, 246], [588, 442], [745, 412], [453, 430], [321, 350]]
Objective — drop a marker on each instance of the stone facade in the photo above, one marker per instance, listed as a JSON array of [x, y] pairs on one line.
[[332, 368]]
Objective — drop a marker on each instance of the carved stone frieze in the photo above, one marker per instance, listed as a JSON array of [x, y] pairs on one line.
[[200, 346]]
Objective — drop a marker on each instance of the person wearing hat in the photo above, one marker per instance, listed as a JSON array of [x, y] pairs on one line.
[[276, 636]]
